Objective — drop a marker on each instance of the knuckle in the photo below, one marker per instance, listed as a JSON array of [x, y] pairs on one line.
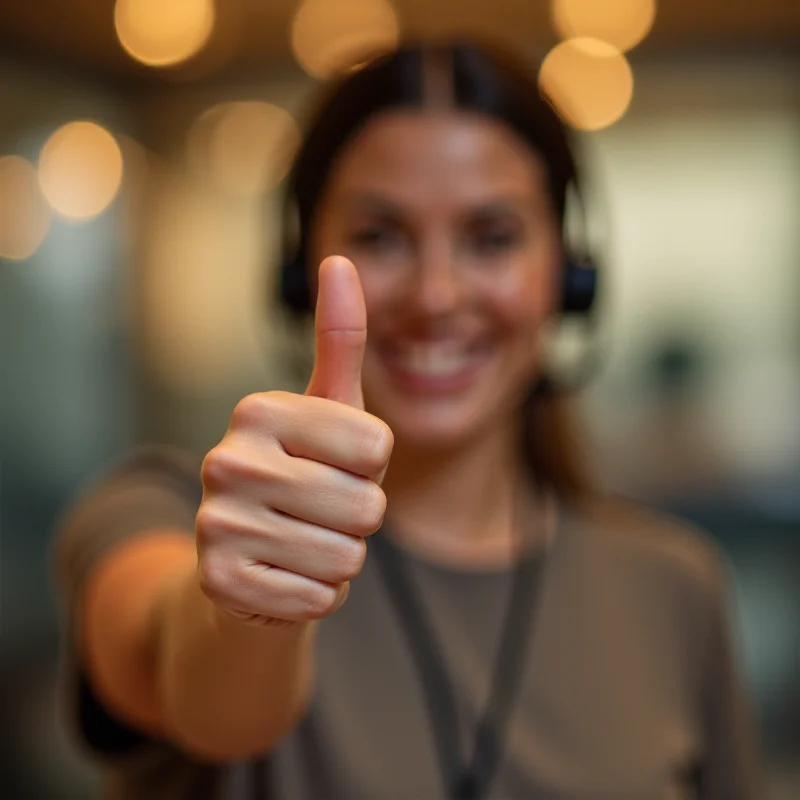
[[319, 601], [213, 471], [377, 444], [371, 508], [228, 465], [216, 578], [258, 410], [208, 525], [247, 411], [351, 560], [222, 466]]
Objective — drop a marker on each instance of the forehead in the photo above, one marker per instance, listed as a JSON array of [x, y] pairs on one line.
[[423, 157]]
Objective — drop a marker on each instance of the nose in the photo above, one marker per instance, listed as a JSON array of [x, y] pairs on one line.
[[437, 286]]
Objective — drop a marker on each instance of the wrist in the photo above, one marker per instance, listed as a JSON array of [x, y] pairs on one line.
[[231, 624]]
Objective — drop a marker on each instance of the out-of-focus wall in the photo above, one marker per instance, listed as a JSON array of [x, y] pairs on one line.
[[700, 184], [66, 408], [208, 331]]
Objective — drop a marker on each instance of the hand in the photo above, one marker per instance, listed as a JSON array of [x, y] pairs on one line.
[[293, 488]]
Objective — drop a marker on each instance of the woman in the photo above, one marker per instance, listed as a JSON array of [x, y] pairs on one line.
[[505, 634]]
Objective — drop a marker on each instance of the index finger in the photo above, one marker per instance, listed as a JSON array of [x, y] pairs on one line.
[[335, 434]]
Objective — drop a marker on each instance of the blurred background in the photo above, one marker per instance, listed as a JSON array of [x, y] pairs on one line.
[[142, 148]]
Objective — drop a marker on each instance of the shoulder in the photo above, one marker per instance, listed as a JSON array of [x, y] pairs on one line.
[[152, 470], [656, 547], [150, 486], [149, 475], [154, 462]]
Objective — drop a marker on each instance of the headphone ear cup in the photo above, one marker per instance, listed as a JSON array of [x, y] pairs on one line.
[[579, 286], [293, 289]]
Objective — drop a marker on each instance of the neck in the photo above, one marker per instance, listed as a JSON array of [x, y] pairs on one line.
[[465, 507]]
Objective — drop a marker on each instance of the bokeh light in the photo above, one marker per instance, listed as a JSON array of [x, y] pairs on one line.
[[245, 146], [136, 162], [80, 170], [161, 33], [24, 216], [331, 37], [201, 286], [623, 23], [589, 81]]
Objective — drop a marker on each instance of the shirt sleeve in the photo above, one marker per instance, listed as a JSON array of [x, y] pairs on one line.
[[151, 487], [732, 768]]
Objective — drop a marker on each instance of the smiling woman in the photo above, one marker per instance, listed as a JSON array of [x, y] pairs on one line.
[[510, 634]]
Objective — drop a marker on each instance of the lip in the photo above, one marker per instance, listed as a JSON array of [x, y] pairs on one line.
[[419, 383]]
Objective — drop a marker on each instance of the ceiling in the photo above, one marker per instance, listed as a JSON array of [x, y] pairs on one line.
[[253, 34]]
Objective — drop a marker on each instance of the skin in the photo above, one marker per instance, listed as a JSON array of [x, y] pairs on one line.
[[448, 221]]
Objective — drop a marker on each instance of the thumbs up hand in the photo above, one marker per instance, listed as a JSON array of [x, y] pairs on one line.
[[292, 490]]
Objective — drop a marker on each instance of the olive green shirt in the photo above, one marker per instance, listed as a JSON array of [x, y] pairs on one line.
[[630, 688]]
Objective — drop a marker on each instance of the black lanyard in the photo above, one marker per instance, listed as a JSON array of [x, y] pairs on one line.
[[469, 781]]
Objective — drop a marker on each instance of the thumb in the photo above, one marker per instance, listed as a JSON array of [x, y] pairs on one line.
[[340, 334]]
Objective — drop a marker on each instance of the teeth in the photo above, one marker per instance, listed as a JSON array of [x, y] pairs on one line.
[[434, 360]]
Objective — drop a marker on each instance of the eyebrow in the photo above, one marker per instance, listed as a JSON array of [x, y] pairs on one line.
[[370, 201], [373, 202], [502, 205]]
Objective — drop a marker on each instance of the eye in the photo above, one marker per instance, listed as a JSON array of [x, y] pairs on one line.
[[495, 239], [377, 238]]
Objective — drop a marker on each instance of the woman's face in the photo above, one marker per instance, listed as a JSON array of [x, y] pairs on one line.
[[447, 217]]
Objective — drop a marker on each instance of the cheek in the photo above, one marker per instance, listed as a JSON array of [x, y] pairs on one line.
[[525, 299], [383, 294]]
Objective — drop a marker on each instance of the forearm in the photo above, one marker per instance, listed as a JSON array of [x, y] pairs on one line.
[[167, 662], [228, 690]]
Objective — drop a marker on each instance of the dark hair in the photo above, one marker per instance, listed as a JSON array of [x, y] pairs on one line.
[[482, 79]]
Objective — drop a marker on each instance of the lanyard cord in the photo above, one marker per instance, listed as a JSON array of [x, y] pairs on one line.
[[469, 781]]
